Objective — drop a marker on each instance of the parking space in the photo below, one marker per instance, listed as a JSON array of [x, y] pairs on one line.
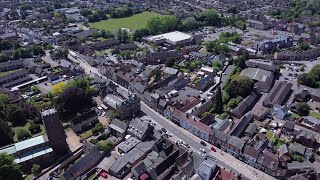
[[290, 73]]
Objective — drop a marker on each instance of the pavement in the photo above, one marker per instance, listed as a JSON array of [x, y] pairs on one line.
[[224, 159]]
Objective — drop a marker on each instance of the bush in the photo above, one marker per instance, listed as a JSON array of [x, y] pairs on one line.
[[223, 115], [34, 128], [114, 115], [93, 141], [98, 128], [102, 137], [297, 158], [36, 169], [22, 134], [104, 145]]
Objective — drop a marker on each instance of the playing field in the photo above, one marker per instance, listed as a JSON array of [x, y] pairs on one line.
[[134, 22]]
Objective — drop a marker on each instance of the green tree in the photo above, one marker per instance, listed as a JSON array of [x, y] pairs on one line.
[[8, 168], [302, 108], [162, 24], [140, 33], [240, 86], [85, 12], [190, 23], [222, 49], [315, 73], [211, 45], [6, 135], [170, 62], [210, 18], [304, 46], [36, 169], [307, 80], [218, 104]]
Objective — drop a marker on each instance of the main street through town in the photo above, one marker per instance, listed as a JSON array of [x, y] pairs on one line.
[[223, 159]]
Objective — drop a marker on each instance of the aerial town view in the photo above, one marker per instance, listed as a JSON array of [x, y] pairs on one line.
[[159, 89]]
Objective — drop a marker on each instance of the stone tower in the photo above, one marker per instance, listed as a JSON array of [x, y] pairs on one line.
[[55, 131]]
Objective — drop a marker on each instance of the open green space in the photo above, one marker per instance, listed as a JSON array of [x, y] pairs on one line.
[[133, 22]]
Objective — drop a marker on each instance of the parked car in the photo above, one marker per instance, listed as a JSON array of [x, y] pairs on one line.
[[202, 151], [104, 174], [213, 149], [164, 130], [203, 143]]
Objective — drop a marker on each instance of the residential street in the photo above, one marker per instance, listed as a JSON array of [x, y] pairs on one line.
[[225, 159]]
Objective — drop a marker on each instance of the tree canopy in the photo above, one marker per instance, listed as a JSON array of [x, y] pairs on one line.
[[162, 24], [240, 86], [8, 168], [311, 79]]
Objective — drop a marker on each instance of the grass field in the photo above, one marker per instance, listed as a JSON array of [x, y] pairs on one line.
[[134, 22]]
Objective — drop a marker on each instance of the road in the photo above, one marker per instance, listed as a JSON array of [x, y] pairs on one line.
[[83, 63], [225, 160]]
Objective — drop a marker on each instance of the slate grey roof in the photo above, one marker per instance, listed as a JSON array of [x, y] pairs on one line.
[[297, 148], [126, 161], [277, 94], [295, 165], [118, 125], [82, 165], [283, 149], [171, 71], [242, 124], [261, 64], [251, 151], [138, 128], [256, 74], [245, 105], [268, 160], [236, 142], [85, 116], [85, 34], [289, 124], [224, 137], [251, 129]]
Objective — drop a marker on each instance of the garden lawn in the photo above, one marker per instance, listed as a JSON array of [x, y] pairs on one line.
[[133, 22], [86, 134], [295, 115], [26, 127], [315, 115]]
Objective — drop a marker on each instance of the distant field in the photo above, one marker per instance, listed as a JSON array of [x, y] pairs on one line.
[[134, 22]]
